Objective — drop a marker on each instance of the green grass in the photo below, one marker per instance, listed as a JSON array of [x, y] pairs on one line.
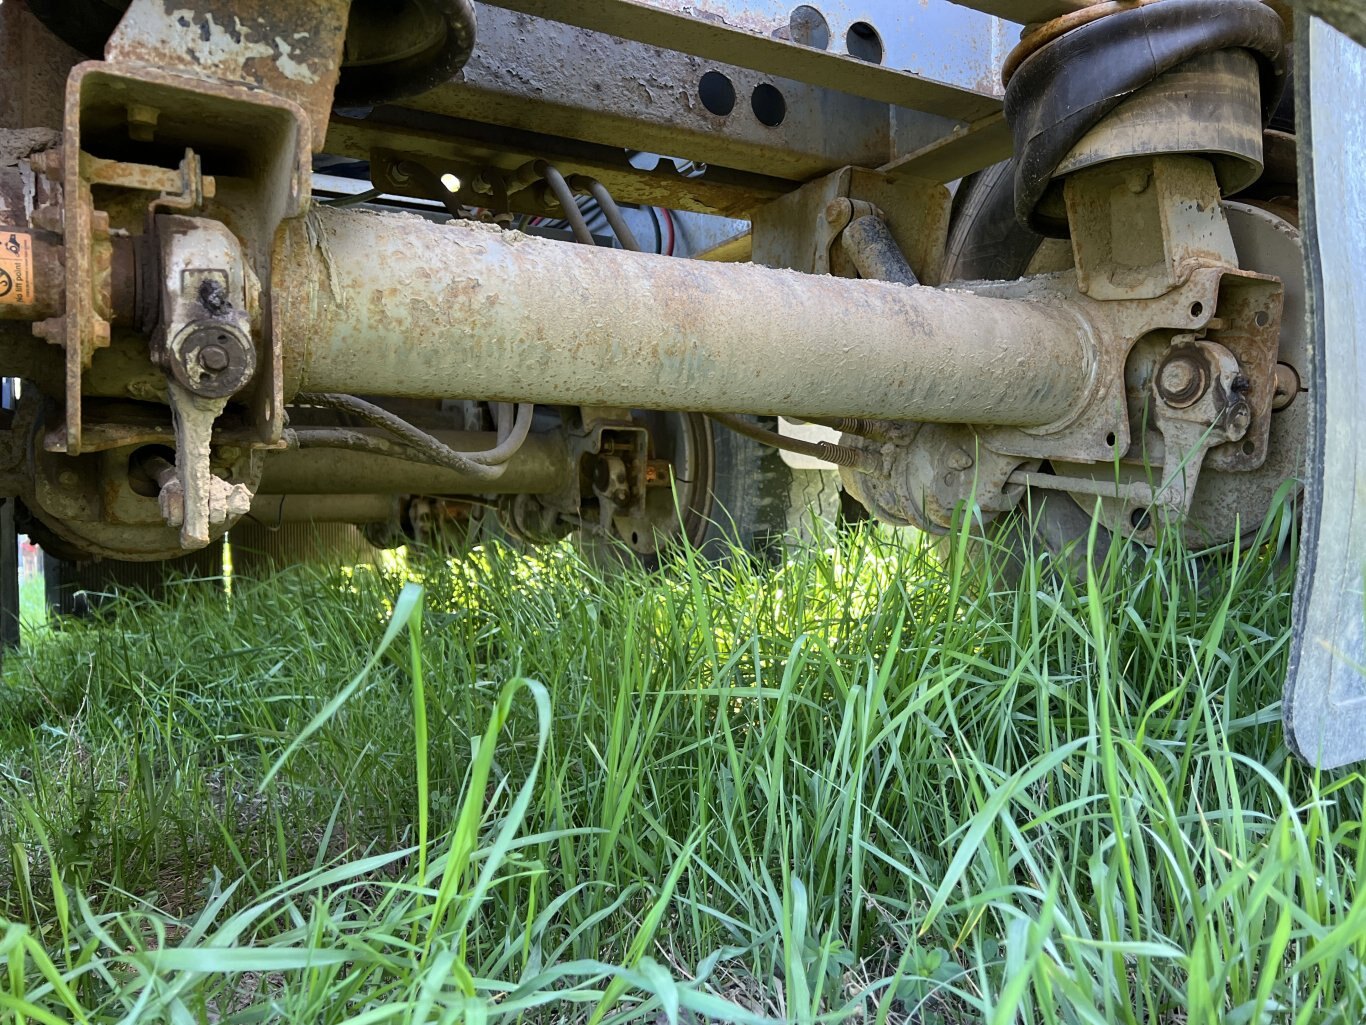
[[861, 786], [32, 603]]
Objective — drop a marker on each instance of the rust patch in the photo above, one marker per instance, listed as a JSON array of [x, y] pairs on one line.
[[293, 50]]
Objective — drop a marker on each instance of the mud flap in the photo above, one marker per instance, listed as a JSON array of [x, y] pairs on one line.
[[1325, 693]]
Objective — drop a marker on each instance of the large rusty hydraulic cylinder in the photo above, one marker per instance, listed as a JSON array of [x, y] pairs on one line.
[[295, 508], [542, 464], [386, 304]]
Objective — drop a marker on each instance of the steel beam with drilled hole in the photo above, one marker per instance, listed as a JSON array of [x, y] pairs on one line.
[[731, 36]]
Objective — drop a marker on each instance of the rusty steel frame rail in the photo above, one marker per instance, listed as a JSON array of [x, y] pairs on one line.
[[400, 306], [932, 38], [1026, 11], [602, 89], [667, 24], [607, 94]]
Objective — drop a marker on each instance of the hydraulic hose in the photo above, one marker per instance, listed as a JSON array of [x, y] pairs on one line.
[[837, 454], [429, 448]]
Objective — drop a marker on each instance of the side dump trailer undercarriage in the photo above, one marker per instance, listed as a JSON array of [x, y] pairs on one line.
[[391, 265]]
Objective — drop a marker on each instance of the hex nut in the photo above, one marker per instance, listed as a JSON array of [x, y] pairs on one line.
[[1238, 418], [213, 359], [1287, 386], [1181, 380], [960, 459]]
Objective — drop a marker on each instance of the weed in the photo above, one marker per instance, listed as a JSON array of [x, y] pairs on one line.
[[860, 785]]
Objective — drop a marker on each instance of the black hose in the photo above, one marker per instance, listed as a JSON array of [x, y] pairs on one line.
[[368, 196], [854, 459], [612, 212], [430, 448], [415, 69], [1066, 87], [352, 440], [358, 441], [565, 196], [510, 439]]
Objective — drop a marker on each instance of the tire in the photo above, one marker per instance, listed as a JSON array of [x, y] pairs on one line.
[[758, 502], [9, 576], [734, 494], [985, 241], [816, 504]]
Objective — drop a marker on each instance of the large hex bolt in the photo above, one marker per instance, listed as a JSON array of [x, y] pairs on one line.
[[1237, 419], [1287, 386], [1182, 379], [213, 359]]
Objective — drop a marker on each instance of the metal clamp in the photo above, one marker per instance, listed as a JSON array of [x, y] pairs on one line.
[[205, 344]]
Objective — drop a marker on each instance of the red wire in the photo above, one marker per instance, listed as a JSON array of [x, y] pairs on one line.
[[669, 221]]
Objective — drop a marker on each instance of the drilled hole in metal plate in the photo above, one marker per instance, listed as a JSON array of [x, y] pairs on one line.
[[809, 27], [1262, 319], [768, 105], [717, 93], [863, 42], [1197, 309]]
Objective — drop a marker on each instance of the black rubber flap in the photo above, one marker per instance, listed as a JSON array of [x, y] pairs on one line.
[[1063, 90]]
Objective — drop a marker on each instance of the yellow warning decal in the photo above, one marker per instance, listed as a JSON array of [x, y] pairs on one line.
[[16, 267]]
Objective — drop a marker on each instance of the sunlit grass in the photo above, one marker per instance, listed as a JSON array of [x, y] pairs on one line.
[[32, 603], [861, 785]]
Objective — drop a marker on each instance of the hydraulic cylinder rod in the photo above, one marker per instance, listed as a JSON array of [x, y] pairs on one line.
[[385, 304]]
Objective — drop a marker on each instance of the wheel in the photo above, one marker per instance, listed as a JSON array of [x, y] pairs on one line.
[[760, 503], [729, 493], [9, 575], [815, 503], [987, 242]]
